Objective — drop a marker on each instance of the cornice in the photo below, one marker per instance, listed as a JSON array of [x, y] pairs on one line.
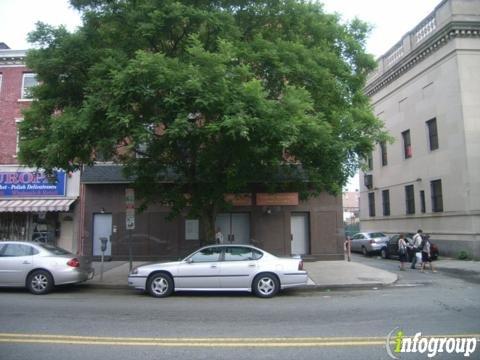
[[12, 57], [449, 32]]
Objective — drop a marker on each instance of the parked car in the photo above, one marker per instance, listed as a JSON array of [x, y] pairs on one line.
[[368, 242], [39, 267], [391, 247], [221, 267]]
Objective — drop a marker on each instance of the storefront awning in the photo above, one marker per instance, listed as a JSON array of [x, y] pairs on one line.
[[35, 205]]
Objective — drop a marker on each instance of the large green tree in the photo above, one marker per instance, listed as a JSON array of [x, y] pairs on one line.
[[203, 97]]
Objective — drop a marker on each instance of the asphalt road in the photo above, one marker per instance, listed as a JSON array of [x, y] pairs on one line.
[[84, 323]]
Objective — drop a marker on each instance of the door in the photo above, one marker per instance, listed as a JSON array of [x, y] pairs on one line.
[[235, 227], [102, 229], [16, 261], [200, 271], [300, 233], [238, 268]]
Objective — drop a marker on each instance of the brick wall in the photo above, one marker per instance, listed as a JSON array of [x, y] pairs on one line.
[[10, 110]]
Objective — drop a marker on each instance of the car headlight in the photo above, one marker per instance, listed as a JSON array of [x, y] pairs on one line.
[[134, 271]]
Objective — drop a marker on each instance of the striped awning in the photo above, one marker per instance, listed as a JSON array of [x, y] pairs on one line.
[[35, 205]]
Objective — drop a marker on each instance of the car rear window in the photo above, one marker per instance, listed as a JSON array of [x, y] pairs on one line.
[[54, 249], [377, 235]]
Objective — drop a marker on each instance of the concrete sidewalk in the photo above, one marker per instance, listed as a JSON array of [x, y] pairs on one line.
[[323, 275]]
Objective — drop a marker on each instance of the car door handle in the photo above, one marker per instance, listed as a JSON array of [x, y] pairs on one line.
[[213, 266], [251, 265], [27, 262]]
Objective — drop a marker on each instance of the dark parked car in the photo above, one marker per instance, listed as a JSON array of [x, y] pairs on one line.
[[390, 250]]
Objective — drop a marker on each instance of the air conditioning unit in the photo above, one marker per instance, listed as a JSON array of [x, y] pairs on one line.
[[368, 181]]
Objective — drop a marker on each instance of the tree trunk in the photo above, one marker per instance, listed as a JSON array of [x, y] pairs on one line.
[[208, 220]]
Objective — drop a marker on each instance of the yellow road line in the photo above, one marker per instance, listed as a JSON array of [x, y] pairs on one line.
[[205, 342]]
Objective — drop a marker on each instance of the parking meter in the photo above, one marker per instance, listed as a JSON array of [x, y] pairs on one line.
[[103, 248]]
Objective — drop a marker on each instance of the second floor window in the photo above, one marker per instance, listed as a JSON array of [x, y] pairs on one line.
[[437, 198], [29, 80], [383, 152], [432, 134], [407, 144], [386, 202], [410, 199]]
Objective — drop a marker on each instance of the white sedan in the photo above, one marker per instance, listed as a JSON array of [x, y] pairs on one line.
[[221, 267], [40, 267]]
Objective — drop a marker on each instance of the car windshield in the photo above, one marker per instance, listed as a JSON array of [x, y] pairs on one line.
[[377, 235], [54, 249]]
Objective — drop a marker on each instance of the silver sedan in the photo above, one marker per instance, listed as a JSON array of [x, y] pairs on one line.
[[221, 267], [40, 267]]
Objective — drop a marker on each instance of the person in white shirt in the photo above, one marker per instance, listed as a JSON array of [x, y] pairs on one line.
[[415, 247], [219, 236]]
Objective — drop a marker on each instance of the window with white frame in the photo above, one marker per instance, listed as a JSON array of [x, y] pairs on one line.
[[1, 78], [29, 80]]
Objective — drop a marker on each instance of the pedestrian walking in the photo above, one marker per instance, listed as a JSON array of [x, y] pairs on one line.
[[347, 247], [415, 247], [426, 253], [402, 251]]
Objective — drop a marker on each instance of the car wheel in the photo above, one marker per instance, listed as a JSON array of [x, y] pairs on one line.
[[266, 285], [40, 282], [384, 254], [364, 251], [160, 285]]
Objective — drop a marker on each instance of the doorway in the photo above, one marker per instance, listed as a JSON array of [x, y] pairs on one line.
[[235, 227], [102, 228], [300, 226]]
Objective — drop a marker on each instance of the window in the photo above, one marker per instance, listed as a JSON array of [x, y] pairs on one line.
[[192, 229], [1, 77], [410, 199], [422, 202], [371, 204], [207, 255], [14, 250], [407, 144], [237, 253], [432, 134], [370, 162], [29, 80], [386, 202], [383, 151], [437, 199]]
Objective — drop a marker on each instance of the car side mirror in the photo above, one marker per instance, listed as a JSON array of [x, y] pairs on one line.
[[189, 260]]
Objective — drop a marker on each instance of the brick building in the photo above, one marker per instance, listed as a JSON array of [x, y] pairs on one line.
[[31, 207]]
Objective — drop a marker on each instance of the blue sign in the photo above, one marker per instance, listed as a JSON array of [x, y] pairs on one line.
[[27, 183]]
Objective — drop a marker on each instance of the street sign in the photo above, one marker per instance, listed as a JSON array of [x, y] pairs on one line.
[[130, 208]]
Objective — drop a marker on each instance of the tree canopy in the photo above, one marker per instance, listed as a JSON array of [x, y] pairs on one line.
[[203, 97]]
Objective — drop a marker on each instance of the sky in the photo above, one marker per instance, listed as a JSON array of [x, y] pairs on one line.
[[390, 20]]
